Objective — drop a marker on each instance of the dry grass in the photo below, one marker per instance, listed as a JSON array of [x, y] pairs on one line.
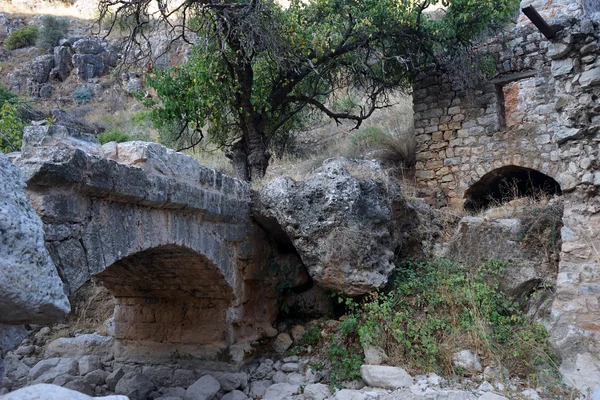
[[91, 306]]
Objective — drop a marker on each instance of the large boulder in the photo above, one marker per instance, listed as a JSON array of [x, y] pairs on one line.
[[41, 67], [30, 289], [52, 392], [339, 219], [478, 240]]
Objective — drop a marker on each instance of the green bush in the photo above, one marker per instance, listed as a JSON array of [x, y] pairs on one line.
[[113, 135], [52, 30], [5, 95], [11, 128], [435, 309], [23, 37], [82, 95]]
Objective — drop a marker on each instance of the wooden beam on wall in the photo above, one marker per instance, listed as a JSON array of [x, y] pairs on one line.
[[539, 22]]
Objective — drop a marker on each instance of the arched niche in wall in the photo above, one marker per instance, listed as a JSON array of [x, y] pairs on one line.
[[169, 294], [507, 183]]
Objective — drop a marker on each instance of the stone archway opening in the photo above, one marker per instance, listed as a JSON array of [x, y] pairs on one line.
[[167, 298], [508, 183]]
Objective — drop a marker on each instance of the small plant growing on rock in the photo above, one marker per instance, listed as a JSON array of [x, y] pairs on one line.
[[113, 135], [52, 30], [82, 95], [24, 37]]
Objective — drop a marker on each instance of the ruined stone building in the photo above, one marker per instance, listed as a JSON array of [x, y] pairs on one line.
[[535, 122]]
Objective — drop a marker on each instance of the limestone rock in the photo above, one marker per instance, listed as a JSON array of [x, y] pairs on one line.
[[97, 377], [41, 67], [52, 392], [385, 377], [374, 355], [468, 361], [297, 332], [204, 388], [281, 391], [134, 385], [491, 396], [231, 380], [16, 373], [339, 219], [478, 240], [81, 386], [282, 342], [79, 346], [30, 289], [316, 391], [89, 363], [113, 378], [259, 388], [47, 370], [235, 395]]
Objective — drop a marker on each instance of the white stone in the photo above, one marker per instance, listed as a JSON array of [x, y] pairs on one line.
[[374, 355], [204, 388], [52, 392], [281, 391], [385, 377], [317, 391], [88, 364], [235, 395], [491, 396], [466, 360]]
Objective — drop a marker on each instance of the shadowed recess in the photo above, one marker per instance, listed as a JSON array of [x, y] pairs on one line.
[[168, 293], [508, 183]]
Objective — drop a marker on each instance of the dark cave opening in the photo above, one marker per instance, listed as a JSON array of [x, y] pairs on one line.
[[507, 183]]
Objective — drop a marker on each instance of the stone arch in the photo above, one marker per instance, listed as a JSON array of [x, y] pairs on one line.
[[169, 297], [506, 183]]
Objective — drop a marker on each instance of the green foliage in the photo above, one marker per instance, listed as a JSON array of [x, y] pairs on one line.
[[435, 309], [5, 96], [82, 95], [11, 128], [113, 135], [344, 353], [52, 30], [259, 74], [311, 337], [23, 37]]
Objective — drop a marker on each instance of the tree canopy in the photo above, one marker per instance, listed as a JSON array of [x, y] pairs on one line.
[[256, 67]]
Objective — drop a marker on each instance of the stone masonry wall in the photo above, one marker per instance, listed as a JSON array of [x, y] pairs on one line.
[[540, 111]]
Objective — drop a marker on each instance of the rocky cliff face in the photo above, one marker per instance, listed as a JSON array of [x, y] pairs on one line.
[[30, 289]]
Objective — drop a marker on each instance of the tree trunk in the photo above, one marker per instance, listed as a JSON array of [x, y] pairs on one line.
[[258, 156], [239, 160]]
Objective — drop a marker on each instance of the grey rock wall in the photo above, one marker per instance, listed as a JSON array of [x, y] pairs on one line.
[[30, 289]]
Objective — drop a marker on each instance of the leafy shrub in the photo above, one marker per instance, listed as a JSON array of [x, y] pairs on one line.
[[82, 95], [5, 95], [23, 37], [344, 353], [113, 135], [11, 128], [435, 309], [52, 30]]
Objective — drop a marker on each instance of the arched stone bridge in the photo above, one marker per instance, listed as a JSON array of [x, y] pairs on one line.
[[172, 240]]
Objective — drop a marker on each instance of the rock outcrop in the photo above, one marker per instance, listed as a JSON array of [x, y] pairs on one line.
[[30, 289], [339, 219]]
